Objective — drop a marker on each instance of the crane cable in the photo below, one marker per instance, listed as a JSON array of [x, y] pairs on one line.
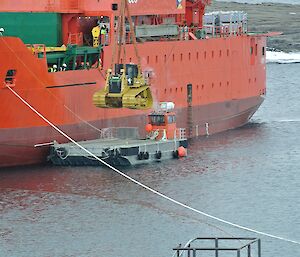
[[121, 34], [133, 36], [145, 186]]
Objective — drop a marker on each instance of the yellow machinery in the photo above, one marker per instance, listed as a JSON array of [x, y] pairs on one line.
[[126, 86], [96, 34]]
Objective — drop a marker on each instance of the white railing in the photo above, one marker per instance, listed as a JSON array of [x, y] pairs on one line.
[[107, 133], [180, 134]]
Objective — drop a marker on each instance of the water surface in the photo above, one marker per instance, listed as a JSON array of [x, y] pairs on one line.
[[249, 176]]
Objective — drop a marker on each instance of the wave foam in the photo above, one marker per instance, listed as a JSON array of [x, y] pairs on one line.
[[282, 57]]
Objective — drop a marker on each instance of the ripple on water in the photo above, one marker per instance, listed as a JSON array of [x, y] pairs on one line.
[[248, 176]]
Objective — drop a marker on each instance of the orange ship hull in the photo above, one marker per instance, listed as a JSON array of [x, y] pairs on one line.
[[228, 85]]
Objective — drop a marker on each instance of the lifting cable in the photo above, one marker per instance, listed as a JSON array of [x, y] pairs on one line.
[[147, 187]]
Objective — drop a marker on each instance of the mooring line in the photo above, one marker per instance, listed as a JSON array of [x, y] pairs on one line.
[[42, 82], [145, 186]]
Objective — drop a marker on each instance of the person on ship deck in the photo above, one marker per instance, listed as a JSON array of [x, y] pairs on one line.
[[1, 31]]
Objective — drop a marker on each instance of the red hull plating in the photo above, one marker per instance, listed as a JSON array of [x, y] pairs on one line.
[[219, 117], [228, 86]]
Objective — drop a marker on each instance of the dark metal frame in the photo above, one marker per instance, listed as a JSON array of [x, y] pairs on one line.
[[192, 251]]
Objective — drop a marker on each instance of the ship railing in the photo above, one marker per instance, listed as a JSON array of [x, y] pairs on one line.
[[199, 130], [106, 133], [204, 32], [119, 133], [237, 246], [180, 134], [38, 50], [163, 134], [224, 30], [207, 31]]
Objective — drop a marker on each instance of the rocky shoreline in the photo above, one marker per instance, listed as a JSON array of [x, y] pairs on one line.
[[269, 17]]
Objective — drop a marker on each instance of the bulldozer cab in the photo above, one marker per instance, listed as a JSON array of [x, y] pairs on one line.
[[115, 81], [126, 87], [115, 84], [131, 72]]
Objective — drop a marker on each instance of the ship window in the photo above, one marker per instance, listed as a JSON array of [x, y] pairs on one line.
[[10, 77], [204, 54], [220, 53], [181, 57], [251, 50], [171, 119], [176, 89], [189, 56], [256, 50], [165, 58], [170, 90], [212, 54], [197, 87], [212, 85], [181, 89], [157, 119], [165, 90], [263, 51], [148, 59], [114, 7], [220, 84], [156, 59], [173, 57], [197, 56], [202, 86], [130, 59], [227, 52], [227, 83]]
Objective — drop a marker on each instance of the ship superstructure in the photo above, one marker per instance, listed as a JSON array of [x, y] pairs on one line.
[[211, 68]]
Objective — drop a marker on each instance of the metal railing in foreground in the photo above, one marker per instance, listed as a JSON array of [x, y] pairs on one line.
[[245, 247]]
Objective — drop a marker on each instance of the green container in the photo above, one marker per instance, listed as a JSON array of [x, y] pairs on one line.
[[33, 28]]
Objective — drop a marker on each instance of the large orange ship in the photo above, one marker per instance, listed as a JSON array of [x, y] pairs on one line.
[[211, 68]]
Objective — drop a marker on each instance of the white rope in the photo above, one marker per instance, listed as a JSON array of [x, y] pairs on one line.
[[38, 79], [147, 187]]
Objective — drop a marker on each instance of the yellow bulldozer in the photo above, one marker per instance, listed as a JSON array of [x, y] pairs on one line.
[[125, 87]]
